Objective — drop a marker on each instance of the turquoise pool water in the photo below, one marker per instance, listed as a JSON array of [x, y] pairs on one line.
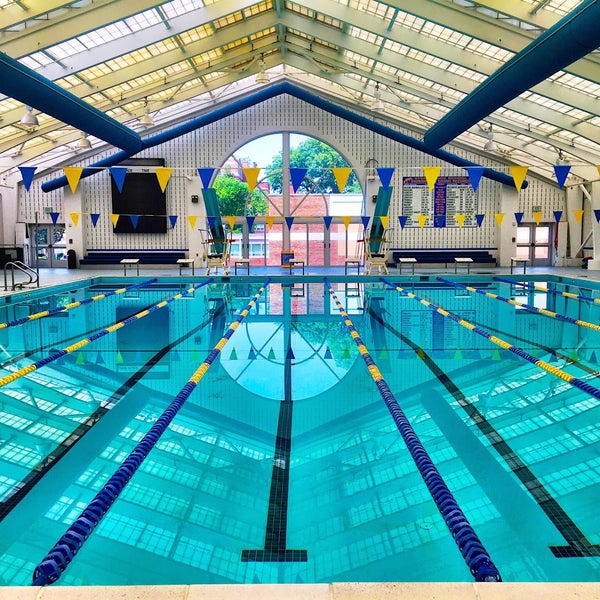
[[517, 445]]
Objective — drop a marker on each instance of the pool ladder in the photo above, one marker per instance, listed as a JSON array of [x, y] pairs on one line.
[[20, 266]]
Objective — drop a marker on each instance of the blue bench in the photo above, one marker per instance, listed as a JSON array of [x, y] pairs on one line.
[[146, 257], [434, 256]]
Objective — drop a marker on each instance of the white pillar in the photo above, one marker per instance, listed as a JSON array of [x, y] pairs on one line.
[[595, 240], [73, 203], [507, 233]]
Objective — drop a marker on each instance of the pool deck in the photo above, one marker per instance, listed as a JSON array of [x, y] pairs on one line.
[[332, 591]]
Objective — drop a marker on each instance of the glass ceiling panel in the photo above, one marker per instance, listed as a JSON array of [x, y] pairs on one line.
[[180, 7], [560, 7]]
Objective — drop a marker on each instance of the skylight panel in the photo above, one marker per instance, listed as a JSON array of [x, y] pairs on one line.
[[560, 7], [103, 35], [36, 60], [409, 21], [259, 8], [176, 8], [198, 33], [66, 49], [583, 86], [555, 105], [298, 9], [367, 36], [492, 52], [143, 20], [228, 20]]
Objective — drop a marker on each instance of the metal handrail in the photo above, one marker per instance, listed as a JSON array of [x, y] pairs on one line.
[[21, 266]]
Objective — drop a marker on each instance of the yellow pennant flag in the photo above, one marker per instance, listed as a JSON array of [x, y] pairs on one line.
[[518, 175], [341, 175], [230, 221], [578, 215], [598, 169], [537, 216], [460, 220], [346, 222], [431, 175], [384, 221], [114, 218], [73, 175], [192, 220], [270, 221], [251, 175], [75, 218], [422, 220], [499, 218], [163, 174]]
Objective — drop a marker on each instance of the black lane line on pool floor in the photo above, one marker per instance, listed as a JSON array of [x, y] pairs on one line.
[[34, 476], [275, 549], [578, 544]]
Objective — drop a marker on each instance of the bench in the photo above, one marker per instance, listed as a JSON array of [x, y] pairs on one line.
[[445, 256], [145, 257]]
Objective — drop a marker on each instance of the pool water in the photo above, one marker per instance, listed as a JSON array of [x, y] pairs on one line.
[[290, 393]]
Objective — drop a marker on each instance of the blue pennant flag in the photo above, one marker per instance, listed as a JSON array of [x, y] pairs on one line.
[[134, 220], [365, 221], [297, 175], [558, 215], [94, 217], [205, 177], [479, 219], [328, 355], [519, 217], [475, 174], [561, 172], [402, 220], [27, 175], [327, 220], [385, 176], [289, 221], [172, 220], [118, 175], [597, 215], [250, 222], [290, 354], [54, 216]]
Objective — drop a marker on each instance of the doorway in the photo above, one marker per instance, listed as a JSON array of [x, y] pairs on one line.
[[534, 243], [49, 246]]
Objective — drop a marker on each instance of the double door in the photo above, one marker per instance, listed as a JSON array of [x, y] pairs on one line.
[[535, 243], [48, 246]]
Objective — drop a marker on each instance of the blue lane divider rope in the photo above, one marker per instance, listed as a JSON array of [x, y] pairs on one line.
[[66, 307], [541, 288], [84, 342], [530, 307], [475, 555], [60, 556], [574, 381]]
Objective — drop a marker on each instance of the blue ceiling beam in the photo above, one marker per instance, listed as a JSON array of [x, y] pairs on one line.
[[573, 37]]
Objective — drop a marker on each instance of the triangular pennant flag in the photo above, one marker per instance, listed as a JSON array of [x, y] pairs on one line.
[[558, 215], [172, 220], [422, 220], [346, 353], [327, 220], [174, 356], [479, 219], [250, 222], [118, 174], [119, 359], [518, 174], [328, 355], [553, 358], [402, 220], [27, 175], [270, 221], [289, 354], [561, 172], [385, 176], [134, 220], [94, 217], [251, 176], [519, 217], [296, 176], [114, 218], [474, 174], [251, 354], [271, 355], [194, 356], [460, 219], [574, 357], [75, 218], [598, 169], [537, 216], [385, 220], [458, 355], [593, 358], [163, 174], [205, 177], [289, 221], [73, 175], [496, 354], [383, 353], [233, 355], [596, 214], [431, 176], [99, 359], [346, 222], [341, 175], [578, 215], [365, 219], [211, 221], [230, 221], [80, 359], [499, 218], [192, 220], [54, 216]]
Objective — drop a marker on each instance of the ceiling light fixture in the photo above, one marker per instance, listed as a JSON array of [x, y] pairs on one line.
[[490, 145], [146, 119], [377, 105], [561, 159], [83, 143], [28, 119], [262, 76]]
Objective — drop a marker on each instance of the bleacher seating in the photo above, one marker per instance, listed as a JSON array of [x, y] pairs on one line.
[[146, 257], [444, 256]]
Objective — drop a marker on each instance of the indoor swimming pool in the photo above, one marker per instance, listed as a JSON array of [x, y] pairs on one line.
[[283, 461]]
